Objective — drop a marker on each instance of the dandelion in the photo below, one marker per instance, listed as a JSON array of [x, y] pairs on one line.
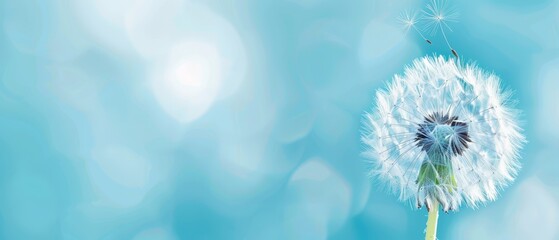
[[438, 15], [443, 133], [409, 20]]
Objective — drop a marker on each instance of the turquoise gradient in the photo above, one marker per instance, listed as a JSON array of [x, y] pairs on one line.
[[222, 119]]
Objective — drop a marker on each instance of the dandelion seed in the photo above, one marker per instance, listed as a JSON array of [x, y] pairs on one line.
[[438, 15], [409, 20], [443, 134]]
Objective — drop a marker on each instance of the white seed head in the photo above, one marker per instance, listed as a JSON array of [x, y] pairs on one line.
[[443, 132]]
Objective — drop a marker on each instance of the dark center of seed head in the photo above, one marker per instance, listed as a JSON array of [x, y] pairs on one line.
[[442, 133]]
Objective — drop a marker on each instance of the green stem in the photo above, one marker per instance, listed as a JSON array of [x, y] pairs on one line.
[[431, 231]]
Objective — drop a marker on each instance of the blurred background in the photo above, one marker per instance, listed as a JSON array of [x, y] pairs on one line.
[[223, 119]]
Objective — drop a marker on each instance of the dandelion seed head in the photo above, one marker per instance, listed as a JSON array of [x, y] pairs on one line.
[[444, 132]]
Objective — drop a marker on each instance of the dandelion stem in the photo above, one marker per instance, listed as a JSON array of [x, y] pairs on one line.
[[431, 230]]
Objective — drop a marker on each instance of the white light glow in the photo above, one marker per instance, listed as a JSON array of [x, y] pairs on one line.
[[189, 82]]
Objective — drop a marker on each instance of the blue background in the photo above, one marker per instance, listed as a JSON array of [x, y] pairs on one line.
[[146, 119]]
